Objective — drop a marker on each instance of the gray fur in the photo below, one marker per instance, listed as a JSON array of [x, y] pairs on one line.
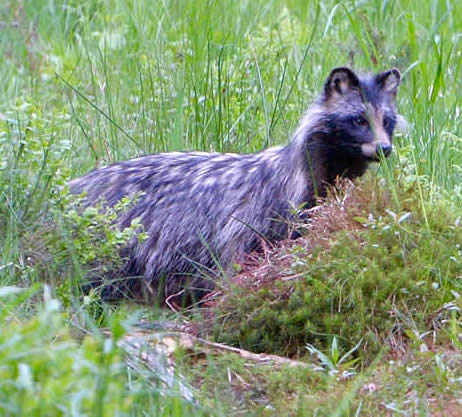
[[204, 211]]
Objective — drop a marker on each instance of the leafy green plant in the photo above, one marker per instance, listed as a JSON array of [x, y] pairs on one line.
[[84, 245], [336, 363]]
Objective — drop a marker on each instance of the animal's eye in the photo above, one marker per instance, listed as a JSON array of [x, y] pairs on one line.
[[388, 122], [360, 121]]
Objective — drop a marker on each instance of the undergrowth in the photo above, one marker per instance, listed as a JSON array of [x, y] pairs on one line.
[[45, 370]]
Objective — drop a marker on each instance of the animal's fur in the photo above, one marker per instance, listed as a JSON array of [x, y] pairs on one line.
[[203, 211]]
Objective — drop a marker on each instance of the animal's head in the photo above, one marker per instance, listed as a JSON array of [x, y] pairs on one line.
[[359, 112]]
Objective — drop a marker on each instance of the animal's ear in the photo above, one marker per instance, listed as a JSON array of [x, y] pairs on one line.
[[389, 80], [340, 81]]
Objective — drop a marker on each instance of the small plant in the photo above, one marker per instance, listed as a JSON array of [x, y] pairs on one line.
[[87, 242], [336, 363]]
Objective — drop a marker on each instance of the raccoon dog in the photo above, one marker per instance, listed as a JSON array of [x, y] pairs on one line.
[[203, 211]]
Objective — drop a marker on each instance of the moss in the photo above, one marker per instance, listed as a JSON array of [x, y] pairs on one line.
[[371, 284]]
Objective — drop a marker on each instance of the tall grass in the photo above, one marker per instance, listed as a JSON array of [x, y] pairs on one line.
[[226, 76]]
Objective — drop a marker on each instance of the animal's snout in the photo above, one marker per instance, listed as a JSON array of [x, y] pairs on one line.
[[383, 148]]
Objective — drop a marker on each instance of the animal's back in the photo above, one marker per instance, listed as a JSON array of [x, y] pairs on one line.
[[201, 211]]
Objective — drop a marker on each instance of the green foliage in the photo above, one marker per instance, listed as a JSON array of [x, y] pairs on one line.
[[31, 165], [45, 372], [89, 239]]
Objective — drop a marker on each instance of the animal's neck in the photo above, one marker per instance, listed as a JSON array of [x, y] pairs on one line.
[[337, 164], [322, 165]]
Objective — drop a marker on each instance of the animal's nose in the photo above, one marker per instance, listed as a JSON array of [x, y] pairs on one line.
[[384, 148]]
